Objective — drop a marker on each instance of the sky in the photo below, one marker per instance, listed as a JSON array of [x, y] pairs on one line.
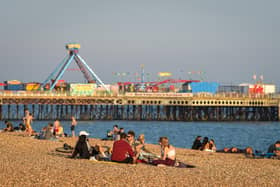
[[228, 41]]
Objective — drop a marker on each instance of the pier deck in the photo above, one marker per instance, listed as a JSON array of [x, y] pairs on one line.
[[140, 106]]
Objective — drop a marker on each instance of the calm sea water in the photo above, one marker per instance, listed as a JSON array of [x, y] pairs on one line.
[[259, 135]]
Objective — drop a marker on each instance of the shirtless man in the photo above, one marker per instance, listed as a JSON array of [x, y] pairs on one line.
[[27, 120], [73, 125]]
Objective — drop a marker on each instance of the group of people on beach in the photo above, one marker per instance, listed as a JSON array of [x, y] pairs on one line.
[[25, 126], [209, 145], [126, 149], [205, 145], [51, 131]]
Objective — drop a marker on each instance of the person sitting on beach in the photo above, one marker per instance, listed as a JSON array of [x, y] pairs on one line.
[[21, 127], [142, 153], [109, 136], [197, 143], [58, 129], [205, 144], [82, 147], [131, 140], [115, 132], [212, 146], [121, 130], [49, 132], [9, 127], [168, 153], [46, 133], [122, 151], [274, 148]]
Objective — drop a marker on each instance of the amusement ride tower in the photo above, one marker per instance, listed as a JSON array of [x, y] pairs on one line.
[[88, 73]]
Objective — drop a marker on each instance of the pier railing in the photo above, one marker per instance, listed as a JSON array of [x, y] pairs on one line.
[[136, 94]]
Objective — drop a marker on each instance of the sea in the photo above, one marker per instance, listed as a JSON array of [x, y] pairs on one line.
[[258, 135]]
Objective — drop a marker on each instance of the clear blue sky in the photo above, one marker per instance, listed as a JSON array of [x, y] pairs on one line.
[[228, 40]]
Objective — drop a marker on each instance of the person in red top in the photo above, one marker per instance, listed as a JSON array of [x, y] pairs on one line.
[[122, 151]]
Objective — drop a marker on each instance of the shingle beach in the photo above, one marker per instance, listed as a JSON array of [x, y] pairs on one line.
[[25, 161]]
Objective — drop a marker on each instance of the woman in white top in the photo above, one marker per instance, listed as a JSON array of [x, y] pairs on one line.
[[168, 153]]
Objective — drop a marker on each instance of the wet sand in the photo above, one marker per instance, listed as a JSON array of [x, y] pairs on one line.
[[25, 161]]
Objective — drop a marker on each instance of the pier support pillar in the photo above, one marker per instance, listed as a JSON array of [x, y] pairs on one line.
[[0, 112], [278, 112]]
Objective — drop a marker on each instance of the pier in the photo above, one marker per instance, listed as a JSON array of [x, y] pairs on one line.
[[139, 106], [94, 100]]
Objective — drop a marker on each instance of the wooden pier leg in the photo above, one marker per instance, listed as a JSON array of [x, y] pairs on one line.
[[76, 111], [33, 109], [278, 112], [61, 112], [9, 112], [158, 112], [17, 112], [39, 112], [1, 112]]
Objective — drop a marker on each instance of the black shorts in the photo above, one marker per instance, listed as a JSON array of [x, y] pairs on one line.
[[128, 160], [72, 127]]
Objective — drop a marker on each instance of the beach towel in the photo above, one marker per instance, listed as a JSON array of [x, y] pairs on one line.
[[179, 164], [65, 149], [259, 155]]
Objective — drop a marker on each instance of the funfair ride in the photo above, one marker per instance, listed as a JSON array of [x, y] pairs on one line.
[[89, 75]]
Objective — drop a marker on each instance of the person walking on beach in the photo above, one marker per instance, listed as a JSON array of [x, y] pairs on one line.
[[73, 125], [27, 120]]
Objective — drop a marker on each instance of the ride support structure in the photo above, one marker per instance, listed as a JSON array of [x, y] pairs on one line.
[[88, 73]]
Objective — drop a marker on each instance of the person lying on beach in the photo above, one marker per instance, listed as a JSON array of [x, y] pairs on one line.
[[82, 148], [168, 153], [122, 151], [247, 150]]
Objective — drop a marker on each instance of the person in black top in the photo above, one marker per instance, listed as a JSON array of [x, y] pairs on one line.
[[82, 147], [9, 127], [272, 148], [197, 143]]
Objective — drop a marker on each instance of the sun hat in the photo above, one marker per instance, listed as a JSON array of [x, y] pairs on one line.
[[84, 133]]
